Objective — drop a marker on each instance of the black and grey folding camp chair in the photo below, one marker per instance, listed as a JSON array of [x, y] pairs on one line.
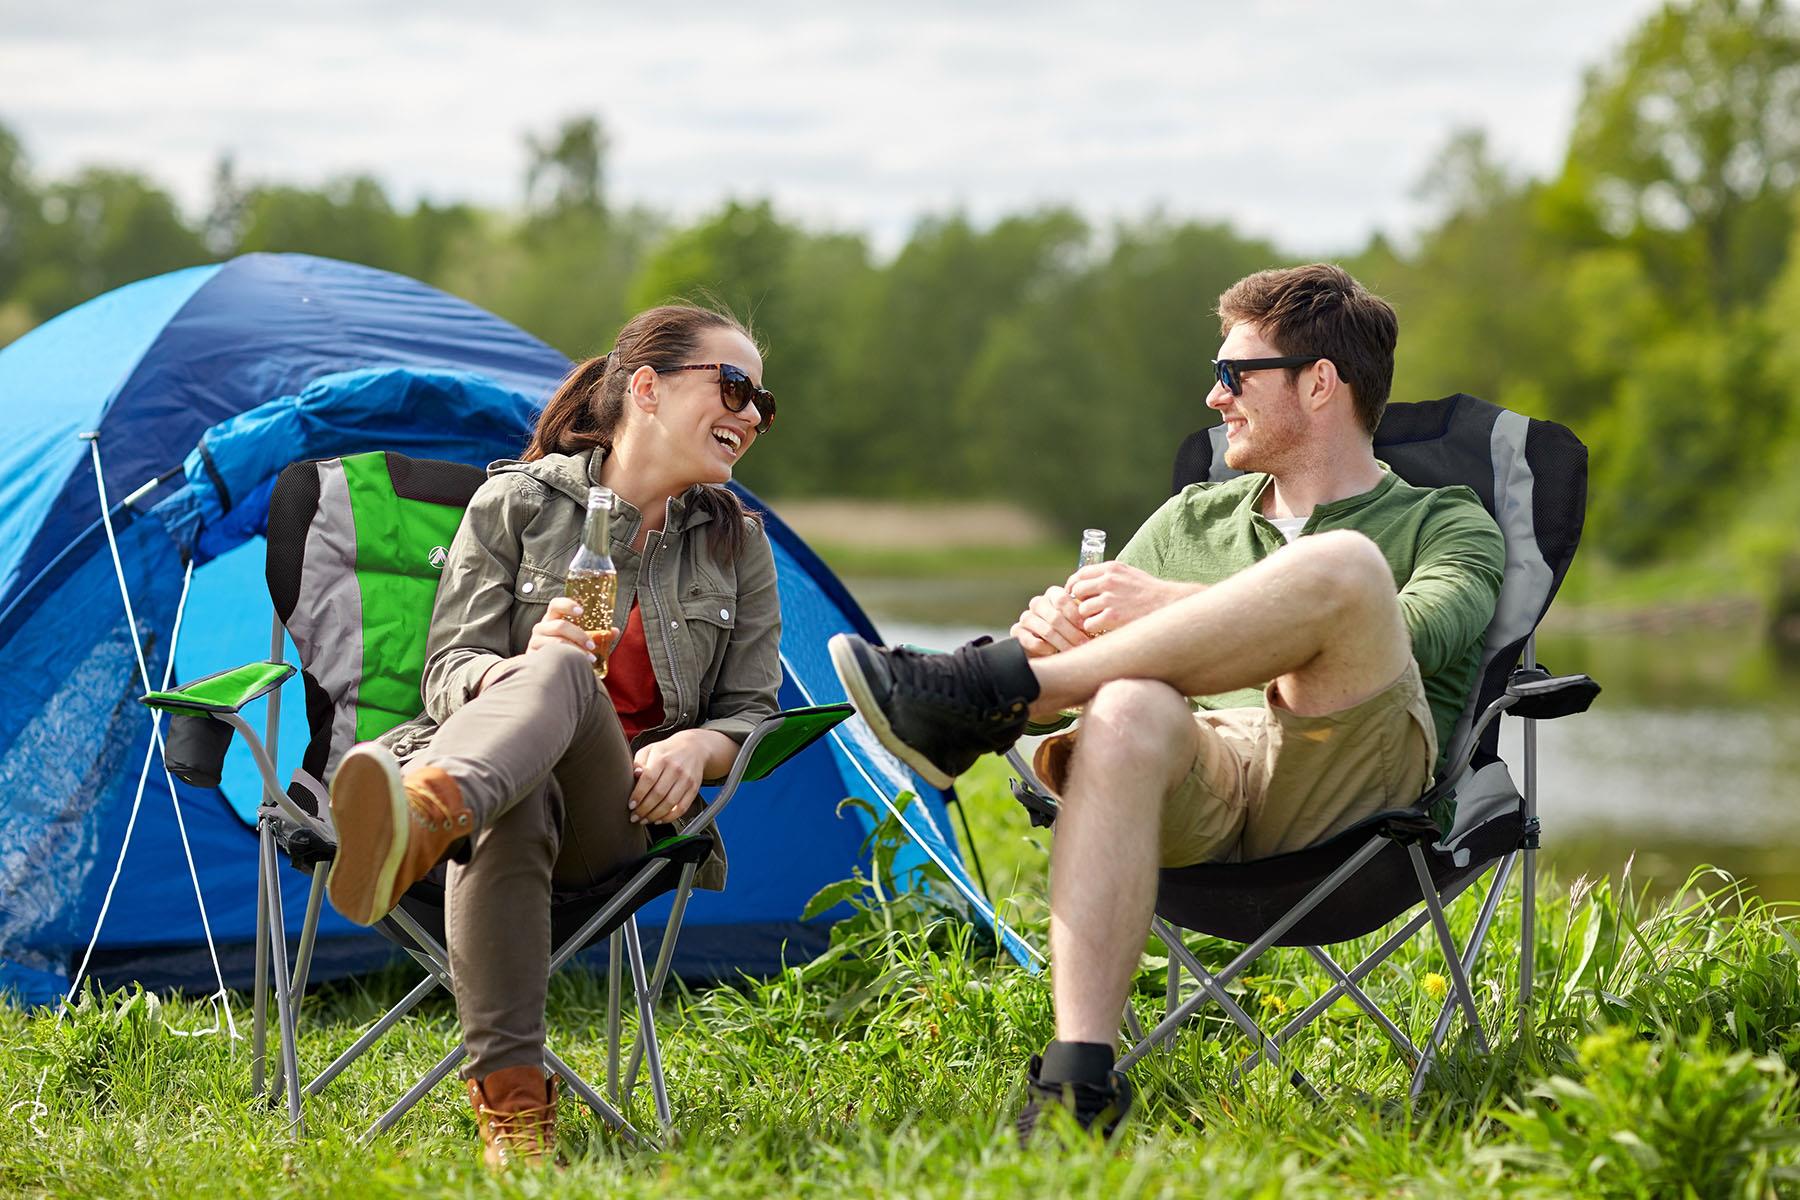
[[355, 546], [1532, 476]]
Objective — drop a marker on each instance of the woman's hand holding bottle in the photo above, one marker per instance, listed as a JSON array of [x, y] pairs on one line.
[[559, 625]]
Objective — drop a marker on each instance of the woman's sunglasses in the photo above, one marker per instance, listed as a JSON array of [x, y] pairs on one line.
[[736, 392]]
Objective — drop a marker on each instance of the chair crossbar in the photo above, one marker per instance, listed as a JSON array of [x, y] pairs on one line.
[[438, 1073], [1477, 939], [1248, 955], [432, 955], [593, 1099], [373, 1034], [570, 948], [1346, 983], [1213, 987], [640, 986], [1361, 998], [1361, 970], [1459, 979]]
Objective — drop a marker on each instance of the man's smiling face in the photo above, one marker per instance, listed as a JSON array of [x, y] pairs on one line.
[[1265, 423]]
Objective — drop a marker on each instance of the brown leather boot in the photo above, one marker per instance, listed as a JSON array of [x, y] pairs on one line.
[[515, 1108], [391, 831]]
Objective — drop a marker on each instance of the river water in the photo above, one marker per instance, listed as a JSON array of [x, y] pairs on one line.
[[1691, 755]]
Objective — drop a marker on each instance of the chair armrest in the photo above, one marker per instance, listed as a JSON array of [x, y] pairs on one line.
[[221, 692], [781, 736], [1541, 696], [775, 739]]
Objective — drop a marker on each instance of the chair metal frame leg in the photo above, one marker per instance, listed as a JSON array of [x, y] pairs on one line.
[[640, 984], [259, 1010], [1528, 881], [1363, 1001], [615, 1028], [309, 931], [1459, 979], [432, 955], [665, 957], [288, 1072], [438, 1073], [1460, 965], [373, 1034], [1466, 967]]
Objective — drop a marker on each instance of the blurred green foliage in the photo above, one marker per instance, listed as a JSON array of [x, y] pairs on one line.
[[1647, 294]]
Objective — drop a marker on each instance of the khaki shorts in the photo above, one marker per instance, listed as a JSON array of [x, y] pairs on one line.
[[1266, 781]]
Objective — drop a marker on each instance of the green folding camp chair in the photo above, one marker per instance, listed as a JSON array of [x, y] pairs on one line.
[[355, 547]]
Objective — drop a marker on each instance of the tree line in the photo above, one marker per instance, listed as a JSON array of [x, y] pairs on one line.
[[1647, 294]]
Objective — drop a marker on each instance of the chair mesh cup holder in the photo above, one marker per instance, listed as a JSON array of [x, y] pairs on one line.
[[194, 749]]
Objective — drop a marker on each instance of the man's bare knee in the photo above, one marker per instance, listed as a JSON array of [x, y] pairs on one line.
[[1137, 725], [1349, 576]]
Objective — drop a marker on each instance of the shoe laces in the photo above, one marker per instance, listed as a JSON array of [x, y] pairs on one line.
[[952, 677], [431, 813], [522, 1131]]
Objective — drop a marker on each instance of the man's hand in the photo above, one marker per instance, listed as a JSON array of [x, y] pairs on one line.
[[669, 773], [1051, 622], [1110, 595]]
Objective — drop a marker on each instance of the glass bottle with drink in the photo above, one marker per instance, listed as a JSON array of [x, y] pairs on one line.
[[1093, 548], [593, 579]]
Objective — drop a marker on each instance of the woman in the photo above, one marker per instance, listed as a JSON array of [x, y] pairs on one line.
[[524, 767]]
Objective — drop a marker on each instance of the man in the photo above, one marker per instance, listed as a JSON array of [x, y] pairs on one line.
[[1285, 654]]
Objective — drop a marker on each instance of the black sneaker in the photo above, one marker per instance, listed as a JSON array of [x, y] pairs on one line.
[[1093, 1105], [939, 712]]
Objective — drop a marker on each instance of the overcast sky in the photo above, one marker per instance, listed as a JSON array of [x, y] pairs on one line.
[[1309, 122]]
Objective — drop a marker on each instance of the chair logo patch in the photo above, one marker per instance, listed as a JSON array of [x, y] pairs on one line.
[[438, 556]]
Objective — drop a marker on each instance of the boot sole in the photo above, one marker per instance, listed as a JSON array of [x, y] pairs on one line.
[[856, 686], [368, 806]]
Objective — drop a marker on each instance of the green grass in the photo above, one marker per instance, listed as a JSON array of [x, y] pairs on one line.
[[1660, 1060]]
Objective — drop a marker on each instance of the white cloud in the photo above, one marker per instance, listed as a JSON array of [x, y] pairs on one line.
[[1304, 121]]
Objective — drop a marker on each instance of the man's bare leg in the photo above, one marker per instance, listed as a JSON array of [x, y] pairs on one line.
[[1319, 618], [1137, 742]]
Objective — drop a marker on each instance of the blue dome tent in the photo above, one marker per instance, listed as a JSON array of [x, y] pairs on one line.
[[188, 393]]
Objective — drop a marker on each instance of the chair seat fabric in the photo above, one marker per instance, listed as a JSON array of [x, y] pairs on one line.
[[1242, 901], [569, 910]]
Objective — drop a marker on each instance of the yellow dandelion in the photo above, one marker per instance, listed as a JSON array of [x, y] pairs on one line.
[[1435, 985], [1274, 1004]]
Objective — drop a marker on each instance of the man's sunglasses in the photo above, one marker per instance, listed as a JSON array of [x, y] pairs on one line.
[[736, 392], [1231, 371]]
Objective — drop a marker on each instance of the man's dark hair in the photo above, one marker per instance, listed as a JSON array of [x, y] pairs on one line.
[[1320, 309]]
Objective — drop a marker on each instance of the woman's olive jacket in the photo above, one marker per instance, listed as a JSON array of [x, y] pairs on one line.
[[712, 624]]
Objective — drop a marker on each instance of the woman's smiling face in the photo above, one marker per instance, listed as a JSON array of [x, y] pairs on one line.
[[702, 438]]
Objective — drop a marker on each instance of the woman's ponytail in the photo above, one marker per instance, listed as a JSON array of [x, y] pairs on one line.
[[570, 422]]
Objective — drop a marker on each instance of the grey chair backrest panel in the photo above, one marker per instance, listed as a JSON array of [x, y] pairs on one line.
[[1531, 475]]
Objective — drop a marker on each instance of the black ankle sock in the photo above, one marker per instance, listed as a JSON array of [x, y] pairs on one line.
[[1076, 1062], [1010, 667]]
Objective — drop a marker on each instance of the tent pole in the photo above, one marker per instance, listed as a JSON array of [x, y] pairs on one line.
[[156, 739]]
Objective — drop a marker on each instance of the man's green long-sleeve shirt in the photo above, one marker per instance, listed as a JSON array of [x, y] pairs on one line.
[[1446, 553]]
